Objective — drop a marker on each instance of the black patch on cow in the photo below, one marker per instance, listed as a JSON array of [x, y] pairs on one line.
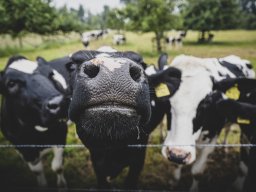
[[233, 68], [207, 115], [83, 56]]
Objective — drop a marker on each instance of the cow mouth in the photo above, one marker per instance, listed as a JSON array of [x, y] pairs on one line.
[[112, 106]]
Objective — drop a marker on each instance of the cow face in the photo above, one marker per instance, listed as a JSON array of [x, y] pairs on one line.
[[110, 100], [198, 76], [179, 144], [36, 98]]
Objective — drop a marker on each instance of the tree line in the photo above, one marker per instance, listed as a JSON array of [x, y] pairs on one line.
[[19, 17]]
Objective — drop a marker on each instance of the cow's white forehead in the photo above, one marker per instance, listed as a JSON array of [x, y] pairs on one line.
[[24, 65], [106, 49], [109, 62]]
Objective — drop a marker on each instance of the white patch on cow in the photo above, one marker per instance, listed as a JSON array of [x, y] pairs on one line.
[[150, 70], [41, 129], [58, 77], [110, 63], [57, 166], [39, 171], [102, 55], [24, 65], [106, 49], [153, 103]]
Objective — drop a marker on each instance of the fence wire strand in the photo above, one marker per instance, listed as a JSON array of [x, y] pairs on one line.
[[131, 145]]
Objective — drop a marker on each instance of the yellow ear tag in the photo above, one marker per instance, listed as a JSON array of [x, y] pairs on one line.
[[162, 90], [233, 93], [243, 121]]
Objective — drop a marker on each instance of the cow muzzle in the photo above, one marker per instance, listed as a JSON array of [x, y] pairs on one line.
[[178, 155], [54, 104]]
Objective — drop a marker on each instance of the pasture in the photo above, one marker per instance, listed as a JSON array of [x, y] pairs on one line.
[[158, 172]]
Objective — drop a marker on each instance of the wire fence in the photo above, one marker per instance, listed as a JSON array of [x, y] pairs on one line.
[[131, 145]]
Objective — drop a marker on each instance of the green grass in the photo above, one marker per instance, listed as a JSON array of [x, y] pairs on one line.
[[157, 171]]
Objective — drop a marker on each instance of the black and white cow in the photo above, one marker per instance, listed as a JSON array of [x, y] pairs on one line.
[[234, 100], [198, 77], [119, 39], [111, 107], [32, 109]]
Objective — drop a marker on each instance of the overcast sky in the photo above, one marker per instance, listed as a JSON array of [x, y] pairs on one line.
[[95, 6]]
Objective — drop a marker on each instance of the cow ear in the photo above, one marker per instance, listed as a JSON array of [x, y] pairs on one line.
[[165, 82], [134, 57], [41, 60], [162, 61], [236, 112], [82, 56], [233, 88], [71, 66]]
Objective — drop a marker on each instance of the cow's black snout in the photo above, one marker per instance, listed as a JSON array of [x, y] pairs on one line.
[[135, 72], [53, 105]]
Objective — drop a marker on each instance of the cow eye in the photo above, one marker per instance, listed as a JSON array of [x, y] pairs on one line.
[[12, 86]]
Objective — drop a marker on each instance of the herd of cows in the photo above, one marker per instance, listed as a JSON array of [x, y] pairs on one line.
[[116, 100]]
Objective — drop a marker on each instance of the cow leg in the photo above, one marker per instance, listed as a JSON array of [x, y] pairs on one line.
[[135, 169], [57, 166], [243, 169], [38, 169], [199, 166], [250, 181], [176, 176]]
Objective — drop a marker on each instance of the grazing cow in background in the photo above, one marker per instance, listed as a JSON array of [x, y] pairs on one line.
[[112, 115], [198, 77], [85, 40], [119, 39], [32, 112]]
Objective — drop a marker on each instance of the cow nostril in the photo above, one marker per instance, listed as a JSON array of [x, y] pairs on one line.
[[52, 106], [135, 73], [91, 70]]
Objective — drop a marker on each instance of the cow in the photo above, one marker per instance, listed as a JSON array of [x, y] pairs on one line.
[[32, 111], [234, 101], [198, 77], [111, 108], [119, 39]]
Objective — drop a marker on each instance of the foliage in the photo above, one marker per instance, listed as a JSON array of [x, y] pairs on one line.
[[19, 17], [248, 16], [210, 15], [115, 19], [151, 15]]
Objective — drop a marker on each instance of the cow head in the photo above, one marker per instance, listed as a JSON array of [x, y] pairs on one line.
[[192, 106], [34, 92], [110, 100]]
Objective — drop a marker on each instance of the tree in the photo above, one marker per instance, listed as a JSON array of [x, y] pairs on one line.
[[151, 15], [23, 16], [205, 16], [81, 12], [115, 19], [248, 14]]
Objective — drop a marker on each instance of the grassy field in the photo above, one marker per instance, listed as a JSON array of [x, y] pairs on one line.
[[158, 172]]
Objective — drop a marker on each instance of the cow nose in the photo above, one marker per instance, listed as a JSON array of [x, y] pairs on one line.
[[135, 72], [178, 155], [53, 105]]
